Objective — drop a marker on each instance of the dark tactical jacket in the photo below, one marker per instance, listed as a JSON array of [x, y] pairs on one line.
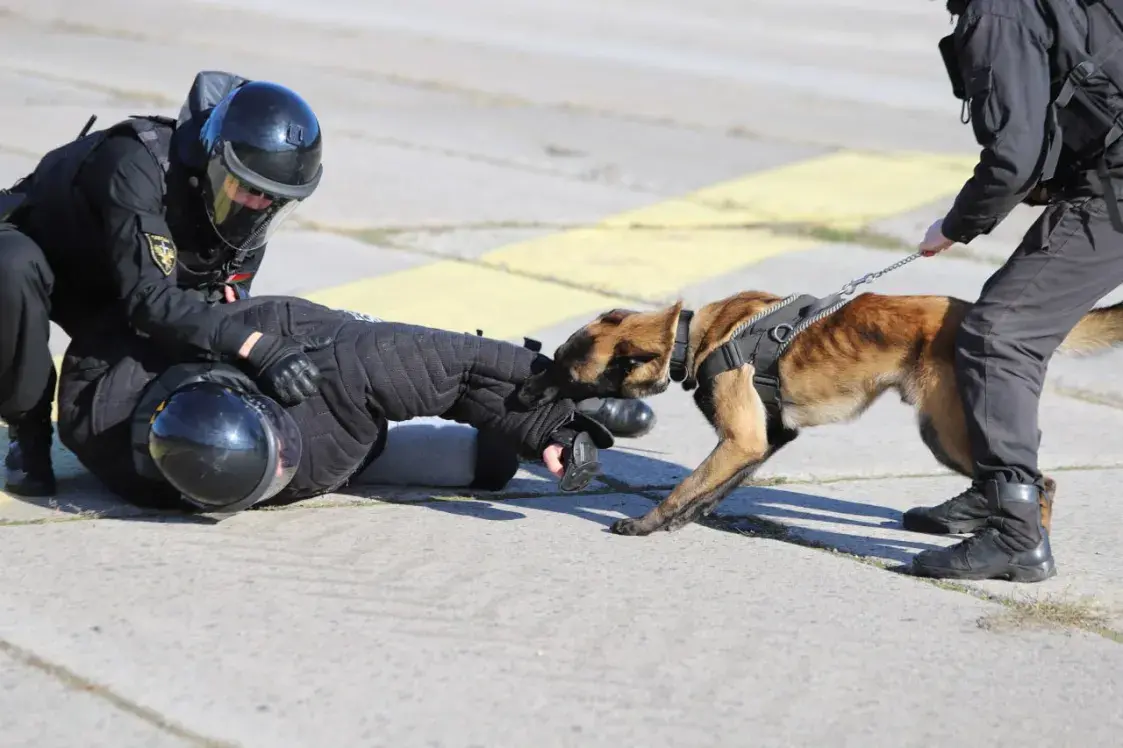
[[373, 373], [1009, 61]]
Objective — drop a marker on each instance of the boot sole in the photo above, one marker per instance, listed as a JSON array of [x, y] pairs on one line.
[[579, 476], [1021, 574]]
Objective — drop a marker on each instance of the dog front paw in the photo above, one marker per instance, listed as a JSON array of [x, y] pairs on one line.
[[629, 527]]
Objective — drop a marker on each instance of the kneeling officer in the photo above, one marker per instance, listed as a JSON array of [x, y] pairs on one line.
[[135, 222]]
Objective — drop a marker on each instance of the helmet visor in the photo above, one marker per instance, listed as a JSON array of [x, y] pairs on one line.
[[244, 216], [286, 443]]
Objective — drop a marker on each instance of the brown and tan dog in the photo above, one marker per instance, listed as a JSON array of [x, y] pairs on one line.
[[831, 373]]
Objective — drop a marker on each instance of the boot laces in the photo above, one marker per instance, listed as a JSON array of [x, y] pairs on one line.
[[968, 495], [968, 544]]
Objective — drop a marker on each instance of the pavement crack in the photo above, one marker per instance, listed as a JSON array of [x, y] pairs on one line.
[[1093, 397], [604, 175], [120, 94], [73, 681], [18, 151]]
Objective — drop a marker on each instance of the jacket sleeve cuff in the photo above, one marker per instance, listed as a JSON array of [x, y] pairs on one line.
[[958, 230], [231, 336]]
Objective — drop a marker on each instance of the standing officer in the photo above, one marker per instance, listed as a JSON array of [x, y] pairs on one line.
[[1042, 82], [122, 227]]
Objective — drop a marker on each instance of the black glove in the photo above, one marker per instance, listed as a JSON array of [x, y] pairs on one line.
[[580, 463], [281, 366], [580, 460]]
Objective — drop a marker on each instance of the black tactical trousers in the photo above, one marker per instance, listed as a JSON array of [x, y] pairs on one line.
[[1068, 260], [26, 368]]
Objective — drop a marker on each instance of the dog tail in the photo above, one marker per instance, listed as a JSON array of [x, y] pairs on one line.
[[1096, 331]]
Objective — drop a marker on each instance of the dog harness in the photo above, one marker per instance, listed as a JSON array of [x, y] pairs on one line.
[[761, 341]]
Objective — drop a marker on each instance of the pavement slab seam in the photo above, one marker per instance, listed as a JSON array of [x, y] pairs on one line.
[[130, 96], [1105, 399], [385, 237], [592, 175], [74, 681]]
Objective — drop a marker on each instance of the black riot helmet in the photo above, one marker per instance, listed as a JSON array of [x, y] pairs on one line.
[[224, 449], [262, 147]]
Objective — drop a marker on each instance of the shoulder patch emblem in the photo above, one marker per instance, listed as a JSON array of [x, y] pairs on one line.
[[162, 250]]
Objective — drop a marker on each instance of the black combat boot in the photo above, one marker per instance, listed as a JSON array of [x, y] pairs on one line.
[[28, 469], [27, 466], [1014, 546], [964, 513], [623, 417]]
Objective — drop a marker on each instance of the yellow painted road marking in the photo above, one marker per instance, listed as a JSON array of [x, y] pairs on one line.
[[647, 264], [463, 297], [687, 240], [845, 190]]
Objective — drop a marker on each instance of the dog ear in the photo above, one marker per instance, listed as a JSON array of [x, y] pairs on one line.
[[614, 316], [673, 312]]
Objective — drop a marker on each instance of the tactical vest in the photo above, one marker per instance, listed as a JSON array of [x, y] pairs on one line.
[[52, 181], [1085, 117], [64, 225], [61, 225]]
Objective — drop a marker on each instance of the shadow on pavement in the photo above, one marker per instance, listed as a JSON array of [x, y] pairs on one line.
[[81, 494], [748, 510], [602, 503]]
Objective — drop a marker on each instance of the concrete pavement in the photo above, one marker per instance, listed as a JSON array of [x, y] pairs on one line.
[[554, 160]]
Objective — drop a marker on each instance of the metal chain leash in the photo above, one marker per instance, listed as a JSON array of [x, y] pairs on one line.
[[840, 297], [870, 277]]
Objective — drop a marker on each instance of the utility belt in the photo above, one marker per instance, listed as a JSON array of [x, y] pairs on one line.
[[1079, 185]]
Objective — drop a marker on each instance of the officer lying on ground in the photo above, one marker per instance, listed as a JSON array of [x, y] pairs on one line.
[[1043, 84], [156, 431], [120, 221]]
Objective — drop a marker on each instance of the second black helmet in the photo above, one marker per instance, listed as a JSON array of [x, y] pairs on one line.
[[263, 148]]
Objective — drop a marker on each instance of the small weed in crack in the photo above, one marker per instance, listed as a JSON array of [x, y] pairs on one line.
[[1049, 613]]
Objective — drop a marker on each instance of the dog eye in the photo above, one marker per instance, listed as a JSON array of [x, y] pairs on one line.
[[628, 363]]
